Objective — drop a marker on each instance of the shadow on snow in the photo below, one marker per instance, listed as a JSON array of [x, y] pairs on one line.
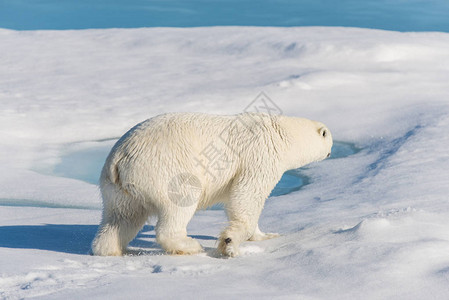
[[72, 239]]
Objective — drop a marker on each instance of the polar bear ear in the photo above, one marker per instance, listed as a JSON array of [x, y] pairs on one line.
[[323, 132]]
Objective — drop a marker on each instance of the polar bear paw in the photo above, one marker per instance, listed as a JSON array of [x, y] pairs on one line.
[[181, 246], [227, 247], [260, 236], [264, 236]]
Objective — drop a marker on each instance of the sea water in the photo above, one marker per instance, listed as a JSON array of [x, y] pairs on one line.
[[400, 15]]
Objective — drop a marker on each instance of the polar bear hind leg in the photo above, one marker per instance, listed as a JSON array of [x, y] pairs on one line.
[[120, 223], [171, 231]]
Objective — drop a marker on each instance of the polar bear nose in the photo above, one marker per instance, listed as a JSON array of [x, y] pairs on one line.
[[329, 154]]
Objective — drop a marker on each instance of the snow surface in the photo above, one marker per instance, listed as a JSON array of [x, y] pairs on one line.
[[373, 225]]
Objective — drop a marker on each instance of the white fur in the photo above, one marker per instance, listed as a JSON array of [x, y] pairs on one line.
[[143, 173]]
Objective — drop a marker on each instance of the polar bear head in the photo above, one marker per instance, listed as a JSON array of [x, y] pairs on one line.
[[308, 141]]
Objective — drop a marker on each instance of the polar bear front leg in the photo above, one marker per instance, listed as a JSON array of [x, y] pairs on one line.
[[243, 211]]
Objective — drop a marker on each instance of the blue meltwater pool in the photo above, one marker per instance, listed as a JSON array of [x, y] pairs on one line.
[[293, 180]]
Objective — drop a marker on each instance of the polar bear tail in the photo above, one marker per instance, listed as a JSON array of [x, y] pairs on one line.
[[110, 170], [111, 179]]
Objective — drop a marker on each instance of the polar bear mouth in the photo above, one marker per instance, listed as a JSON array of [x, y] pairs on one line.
[[328, 155]]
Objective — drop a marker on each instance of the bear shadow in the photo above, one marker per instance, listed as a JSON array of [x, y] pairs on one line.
[[73, 239], [66, 238], [141, 246]]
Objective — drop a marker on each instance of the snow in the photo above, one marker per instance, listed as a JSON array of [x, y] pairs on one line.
[[372, 225]]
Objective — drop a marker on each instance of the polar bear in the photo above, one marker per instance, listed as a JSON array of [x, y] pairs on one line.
[[171, 165]]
